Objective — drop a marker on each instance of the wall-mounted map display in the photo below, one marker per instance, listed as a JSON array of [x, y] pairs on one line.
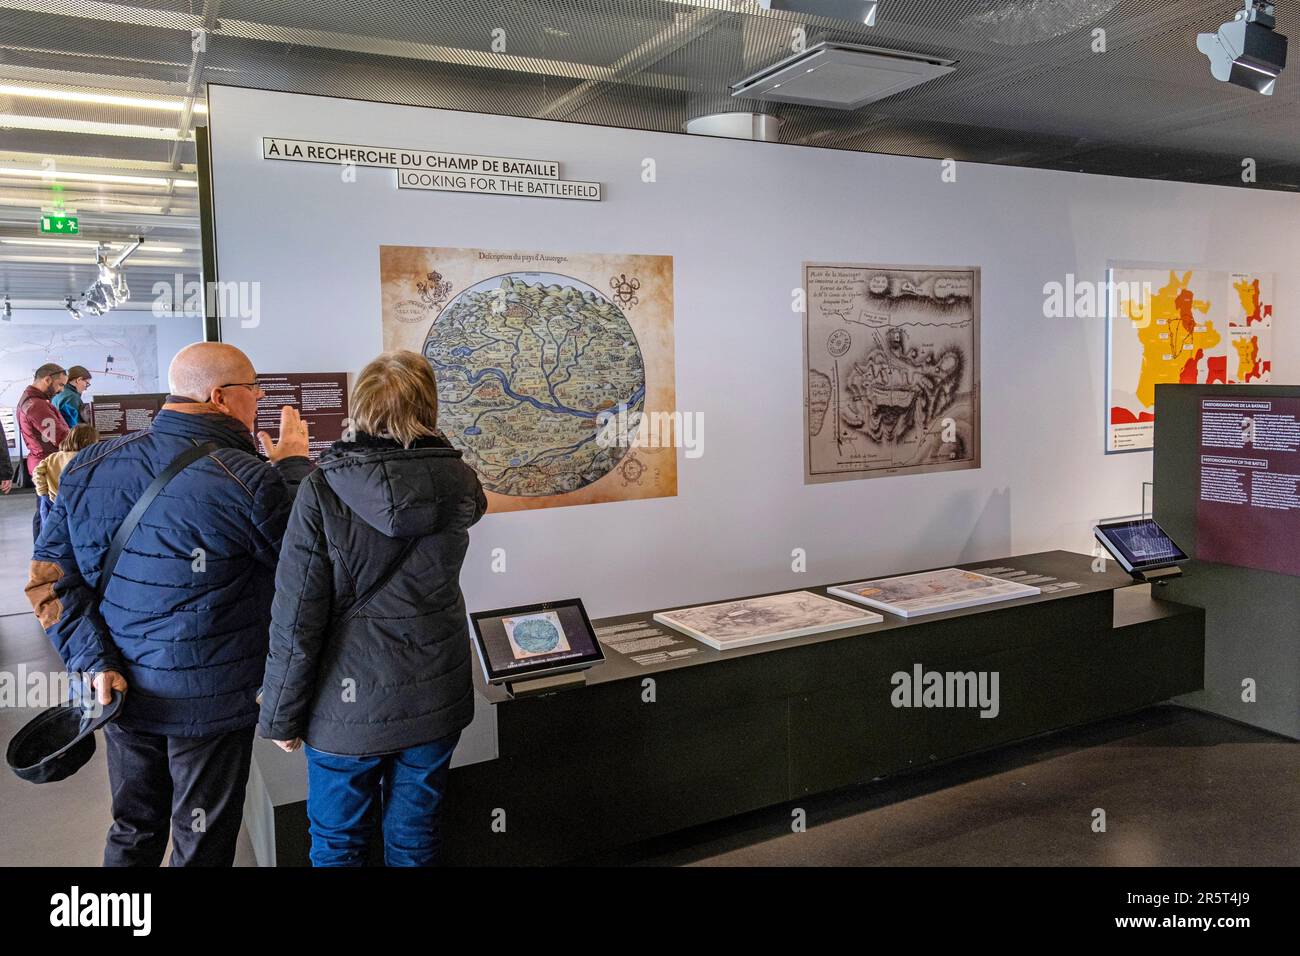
[[1181, 326], [762, 619], [555, 371], [929, 592], [891, 380], [121, 358]]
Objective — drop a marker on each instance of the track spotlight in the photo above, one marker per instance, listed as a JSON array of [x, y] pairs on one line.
[[1246, 51]]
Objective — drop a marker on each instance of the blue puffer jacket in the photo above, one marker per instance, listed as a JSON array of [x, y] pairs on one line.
[[186, 613]]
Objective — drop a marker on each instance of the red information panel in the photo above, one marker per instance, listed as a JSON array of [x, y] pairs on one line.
[[1248, 511], [114, 415], [320, 397]]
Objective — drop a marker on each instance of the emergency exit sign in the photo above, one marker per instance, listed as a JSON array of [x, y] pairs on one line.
[[61, 225]]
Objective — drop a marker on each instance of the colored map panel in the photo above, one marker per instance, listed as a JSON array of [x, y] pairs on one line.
[[1181, 326], [546, 364]]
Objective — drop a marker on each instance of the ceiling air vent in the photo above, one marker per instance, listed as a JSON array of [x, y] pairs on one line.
[[841, 76]]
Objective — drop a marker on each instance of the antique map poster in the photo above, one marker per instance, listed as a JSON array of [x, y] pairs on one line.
[[551, 367], [762, 619], [891, 371], [1188, 326], [927, 592]]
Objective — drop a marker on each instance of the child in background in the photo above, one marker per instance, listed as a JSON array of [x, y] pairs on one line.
[[51, 467]]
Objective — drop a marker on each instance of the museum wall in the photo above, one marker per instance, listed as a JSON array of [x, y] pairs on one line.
[[739, 220]]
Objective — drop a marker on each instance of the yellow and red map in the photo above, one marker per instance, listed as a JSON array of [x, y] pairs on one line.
[[1182, 326]]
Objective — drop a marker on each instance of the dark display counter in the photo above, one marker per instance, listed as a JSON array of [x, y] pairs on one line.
[[663, 738]]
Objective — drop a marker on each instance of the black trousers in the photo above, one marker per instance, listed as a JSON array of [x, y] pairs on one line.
[[190, 787]]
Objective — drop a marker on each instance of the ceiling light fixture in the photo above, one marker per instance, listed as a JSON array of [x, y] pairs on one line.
[[79, 244], [109, 288], [55, 124], [98, 99], [1247, 51], [117, 178]]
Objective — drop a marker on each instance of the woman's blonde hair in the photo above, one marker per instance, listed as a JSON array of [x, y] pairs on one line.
[[396, 395]]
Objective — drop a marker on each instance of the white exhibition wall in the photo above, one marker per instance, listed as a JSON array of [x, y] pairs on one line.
[[739, 219]]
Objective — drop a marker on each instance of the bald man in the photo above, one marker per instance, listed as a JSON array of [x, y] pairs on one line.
[[181, 628]]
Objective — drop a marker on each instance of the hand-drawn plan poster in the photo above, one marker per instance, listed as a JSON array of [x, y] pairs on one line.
[[891, 381], [546, 366]]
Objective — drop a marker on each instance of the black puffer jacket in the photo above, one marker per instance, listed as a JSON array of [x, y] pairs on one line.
[[396, 674]]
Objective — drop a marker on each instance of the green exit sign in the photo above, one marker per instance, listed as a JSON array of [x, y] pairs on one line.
[[62, 225]]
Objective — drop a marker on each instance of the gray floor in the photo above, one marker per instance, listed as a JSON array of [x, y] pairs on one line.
[[1178, 788]]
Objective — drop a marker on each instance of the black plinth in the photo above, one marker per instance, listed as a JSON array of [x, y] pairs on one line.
[[595, 767]]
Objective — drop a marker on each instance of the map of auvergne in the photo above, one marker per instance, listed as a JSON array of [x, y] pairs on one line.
[[536, 354]]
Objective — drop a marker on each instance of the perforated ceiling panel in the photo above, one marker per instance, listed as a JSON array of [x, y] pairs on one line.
[[1031, 86]]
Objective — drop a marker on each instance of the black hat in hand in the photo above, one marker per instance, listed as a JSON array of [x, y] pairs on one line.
[[58, 741]]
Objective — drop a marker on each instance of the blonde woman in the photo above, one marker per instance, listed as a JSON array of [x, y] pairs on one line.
[[369, 659]]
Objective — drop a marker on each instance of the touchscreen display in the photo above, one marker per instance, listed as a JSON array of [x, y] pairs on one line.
[[1140, 544], [518, 642]]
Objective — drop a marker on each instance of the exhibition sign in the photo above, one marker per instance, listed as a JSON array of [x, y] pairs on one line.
[[441, 171], [1248, 507], [540, 357], [10, 422], [116, 415], [891, 371], [1184, 326], [321, 398]]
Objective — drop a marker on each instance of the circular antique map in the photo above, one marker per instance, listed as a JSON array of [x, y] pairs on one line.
[[526, 362]]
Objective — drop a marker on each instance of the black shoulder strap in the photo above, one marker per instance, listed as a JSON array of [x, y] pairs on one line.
[[118, 545], [378, 586]]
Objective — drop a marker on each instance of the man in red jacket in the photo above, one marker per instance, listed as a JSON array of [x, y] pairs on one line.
[[41, 424]]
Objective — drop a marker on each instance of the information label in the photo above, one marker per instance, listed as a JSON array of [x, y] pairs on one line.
[[1248, 508], [320, 397], [114, 415]]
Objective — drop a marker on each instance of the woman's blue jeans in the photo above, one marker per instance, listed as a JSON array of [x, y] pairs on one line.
[[345, 796]]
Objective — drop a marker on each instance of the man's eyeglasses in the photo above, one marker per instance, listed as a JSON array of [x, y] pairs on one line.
[[253, 385]]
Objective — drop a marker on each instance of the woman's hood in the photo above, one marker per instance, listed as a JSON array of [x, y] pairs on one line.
[[401, 492]]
